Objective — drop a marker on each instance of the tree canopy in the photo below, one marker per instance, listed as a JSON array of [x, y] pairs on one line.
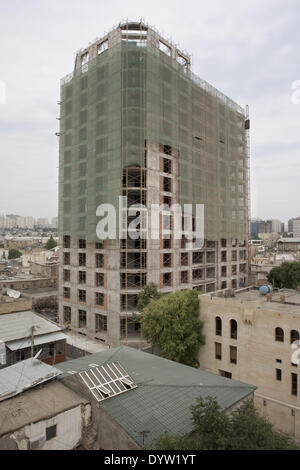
[[286, 276], [51, 243], [149, 293], [171, 324], [14, 254], [215, 430]]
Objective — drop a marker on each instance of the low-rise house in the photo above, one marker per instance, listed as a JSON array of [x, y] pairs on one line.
[[24, 332], [50, 417]]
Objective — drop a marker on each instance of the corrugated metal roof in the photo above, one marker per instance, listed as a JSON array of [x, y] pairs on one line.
[[41, 339], [24, 375], [14, 326], [165, 392]]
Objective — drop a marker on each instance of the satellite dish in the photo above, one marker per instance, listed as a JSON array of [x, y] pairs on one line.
[[13, 294]]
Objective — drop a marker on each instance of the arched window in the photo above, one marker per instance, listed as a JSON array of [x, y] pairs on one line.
[[279, 335], [233, 329], [218, 326], [294, 336]]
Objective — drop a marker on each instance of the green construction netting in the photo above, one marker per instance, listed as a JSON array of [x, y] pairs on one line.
[[131, 94]]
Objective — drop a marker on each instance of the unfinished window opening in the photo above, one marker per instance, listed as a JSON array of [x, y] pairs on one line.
[[133, 280], [82, 296], [66, 259], [198, 274], [198, 258], [167, 149], [167, 184], [210, 258], [99, 259], [67, 315], [167, 200], [99, 246], [84, 58], [103, 46], [210, 244], [129, 302], [233, 329], [184, 277], [82, 259], [67, 293], [224, 271], [224, 285], [181, 59], [67, 275], [233, 270], [167, 260], [167, 244], [101, 323], [81, 277], [184, 259], [67, 241], [167, 166], [167, 279], [82, 244], [218, 326], [99, 280], [224, 257], [99, 299], [82, 318], [210, 273], [164, 48]]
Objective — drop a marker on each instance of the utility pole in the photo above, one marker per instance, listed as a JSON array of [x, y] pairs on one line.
[[32, 339]]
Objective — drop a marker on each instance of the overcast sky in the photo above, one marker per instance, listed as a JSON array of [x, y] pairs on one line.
[[248, 50]]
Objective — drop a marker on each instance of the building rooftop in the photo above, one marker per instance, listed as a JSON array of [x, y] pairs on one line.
[[16, 326], [24, 375], [251, 294], [37, 405], [289, 240], [165, 391]]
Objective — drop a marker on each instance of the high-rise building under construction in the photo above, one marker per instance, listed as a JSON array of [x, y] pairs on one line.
[[136, 122]]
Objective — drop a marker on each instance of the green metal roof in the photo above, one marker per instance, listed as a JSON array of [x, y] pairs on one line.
[[165, 392]]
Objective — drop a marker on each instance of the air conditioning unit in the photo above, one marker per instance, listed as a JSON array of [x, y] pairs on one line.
[[37, 443]]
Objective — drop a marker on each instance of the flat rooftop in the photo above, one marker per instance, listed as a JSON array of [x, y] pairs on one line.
[[37, 405], [252, 294]]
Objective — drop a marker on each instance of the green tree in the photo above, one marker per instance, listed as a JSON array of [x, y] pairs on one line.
[[51, 243], [149, 293], [249, 431], [171, 324], [14, 254], [286, 276], [215, 430]]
